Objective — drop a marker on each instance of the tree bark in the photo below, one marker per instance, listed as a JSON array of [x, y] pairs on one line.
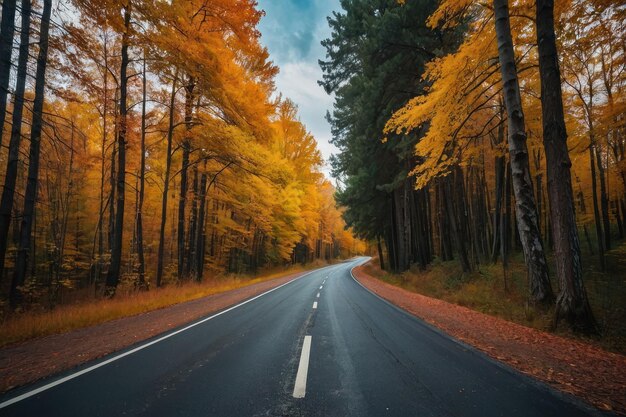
[[166, 183], [402, 262], [7, 30], [200, 234], [30, 195], [497, 214], [100, 227], [381, 259], [10, 178], [142, 185], [113, 275], [594, 196], [193, 220], [539, 185], [182, 198], [112, 178], [618, 218], [442, 219], [604, 200], [525, 209], [572, 303], [454, 187]]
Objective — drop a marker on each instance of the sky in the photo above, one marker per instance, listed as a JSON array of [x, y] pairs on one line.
[[292, 31]]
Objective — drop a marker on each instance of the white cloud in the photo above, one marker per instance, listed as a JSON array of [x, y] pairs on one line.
[[298, 62], [298, 81]]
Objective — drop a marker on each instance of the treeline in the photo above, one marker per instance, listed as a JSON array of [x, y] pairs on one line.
[[143, 144], [471, 130]]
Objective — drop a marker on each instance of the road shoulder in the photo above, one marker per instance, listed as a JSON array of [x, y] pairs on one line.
[[27, 362], [574, 367]]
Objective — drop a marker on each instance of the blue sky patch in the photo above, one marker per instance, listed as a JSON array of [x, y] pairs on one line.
[[292, 31]]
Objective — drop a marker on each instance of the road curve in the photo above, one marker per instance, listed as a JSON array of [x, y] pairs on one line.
[[321, 345]]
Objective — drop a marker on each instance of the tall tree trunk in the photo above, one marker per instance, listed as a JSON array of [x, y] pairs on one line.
[[618, 218], [111, 199], [505, 219], [420, 232], [142, 184], [113, 275], [444, 225], [426, 231], [30, 195], [406, 232], [455, 197], [572, 303], [594, 196], [166, 183], [105, 113], [182, 198], [583, 209], [200, 234], [604, 200], [505, 225], [10, 178], [525, 209], [497, 214], [622, 208], [482, 212], [64, 204], [539, 185], [190, 253], [7, 29], [113, 176], [381, 259], [398, 215]]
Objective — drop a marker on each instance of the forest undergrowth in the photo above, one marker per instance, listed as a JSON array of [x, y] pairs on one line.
[[90, 310], [484, 291]]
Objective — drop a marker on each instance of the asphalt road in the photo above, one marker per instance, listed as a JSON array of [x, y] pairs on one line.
[[349, 354]]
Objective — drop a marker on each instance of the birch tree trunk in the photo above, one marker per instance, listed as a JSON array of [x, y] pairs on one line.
[[525, 209]]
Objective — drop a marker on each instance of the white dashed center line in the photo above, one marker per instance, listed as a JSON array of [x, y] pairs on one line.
[[299, 390], [314, 304]]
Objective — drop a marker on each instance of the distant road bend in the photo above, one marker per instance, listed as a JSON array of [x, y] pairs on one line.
[[320, 345]]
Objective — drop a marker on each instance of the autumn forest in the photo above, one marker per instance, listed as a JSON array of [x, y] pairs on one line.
[[482, 134], [145, 145]]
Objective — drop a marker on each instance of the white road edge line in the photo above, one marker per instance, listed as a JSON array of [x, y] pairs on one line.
[[299, 390], [137, 349], [314, 304]]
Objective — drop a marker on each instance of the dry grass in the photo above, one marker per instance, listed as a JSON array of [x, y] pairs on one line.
[[30, 325], [484, 291], [481, 291]]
